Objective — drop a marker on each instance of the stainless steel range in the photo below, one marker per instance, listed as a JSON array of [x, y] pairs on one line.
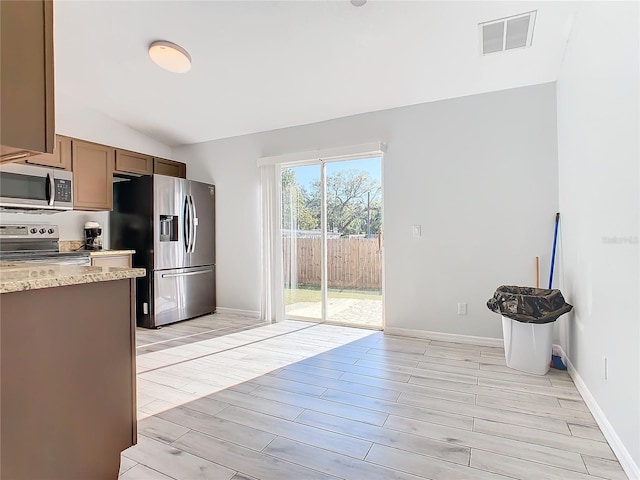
[[36, 244]]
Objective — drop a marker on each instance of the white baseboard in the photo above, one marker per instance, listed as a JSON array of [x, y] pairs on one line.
[[237, 311], [628, 465], [445, 337]]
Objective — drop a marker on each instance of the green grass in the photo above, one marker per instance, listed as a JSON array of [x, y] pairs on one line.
[[311, 293]]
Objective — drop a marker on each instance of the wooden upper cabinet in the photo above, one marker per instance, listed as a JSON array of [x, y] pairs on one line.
[[92, 175], [60, 158], [132, 162], [169, 167], [27, 121]]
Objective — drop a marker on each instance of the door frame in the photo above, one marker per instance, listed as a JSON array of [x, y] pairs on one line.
[[323, 232]]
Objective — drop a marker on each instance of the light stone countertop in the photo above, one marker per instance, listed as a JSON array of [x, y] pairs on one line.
[[104, 253], [17, 277]]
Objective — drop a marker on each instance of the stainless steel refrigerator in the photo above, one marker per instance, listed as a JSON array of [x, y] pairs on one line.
[[170, 223]]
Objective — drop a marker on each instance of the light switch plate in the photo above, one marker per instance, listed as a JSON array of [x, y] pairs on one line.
[[417, 231]]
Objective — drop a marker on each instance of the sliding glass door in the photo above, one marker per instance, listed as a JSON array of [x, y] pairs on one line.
[[332, 241], [301, 248]]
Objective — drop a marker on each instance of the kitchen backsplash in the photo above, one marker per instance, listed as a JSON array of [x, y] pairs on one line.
[[70, 245], [71, 223]]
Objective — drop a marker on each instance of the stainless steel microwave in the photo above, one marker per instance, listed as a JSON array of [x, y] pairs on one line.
[[35, 189]]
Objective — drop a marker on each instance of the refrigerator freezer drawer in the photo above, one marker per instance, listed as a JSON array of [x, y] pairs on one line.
[[183, 293]]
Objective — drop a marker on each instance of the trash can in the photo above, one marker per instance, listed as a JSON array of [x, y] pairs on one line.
[[527, 325]]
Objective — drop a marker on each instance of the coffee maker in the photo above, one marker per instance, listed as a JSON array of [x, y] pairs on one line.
[[92, 232]]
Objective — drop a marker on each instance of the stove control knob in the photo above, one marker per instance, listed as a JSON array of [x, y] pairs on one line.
[[42, 230], [51, 230], [34, 230]]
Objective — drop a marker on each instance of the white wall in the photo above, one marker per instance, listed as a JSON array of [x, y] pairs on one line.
[[231, 166], [92, 126], [598, 149], [478, 173], [88, 124]]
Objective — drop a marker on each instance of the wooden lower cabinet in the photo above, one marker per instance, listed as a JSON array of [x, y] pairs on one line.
[[170, 168], [68, 391], [111, 261], [93, 166], [60, 158]]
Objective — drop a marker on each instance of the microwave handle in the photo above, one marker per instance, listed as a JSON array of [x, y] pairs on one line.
[[49, 184]]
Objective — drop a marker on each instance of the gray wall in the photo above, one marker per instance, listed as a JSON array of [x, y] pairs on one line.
[[479, 174], [598, 148]]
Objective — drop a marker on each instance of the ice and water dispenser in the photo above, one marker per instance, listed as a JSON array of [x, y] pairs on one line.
[[168, 228]]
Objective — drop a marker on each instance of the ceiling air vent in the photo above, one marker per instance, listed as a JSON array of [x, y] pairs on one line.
[[507, 33]]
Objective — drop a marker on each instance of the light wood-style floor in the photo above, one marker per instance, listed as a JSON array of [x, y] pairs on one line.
[[223, 398]]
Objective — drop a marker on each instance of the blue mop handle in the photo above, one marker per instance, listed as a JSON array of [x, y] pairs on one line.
[[553, 253]]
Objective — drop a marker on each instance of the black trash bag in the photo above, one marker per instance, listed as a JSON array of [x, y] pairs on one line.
[[528, 304]]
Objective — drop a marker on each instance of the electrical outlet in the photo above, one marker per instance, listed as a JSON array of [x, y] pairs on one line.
[[462, 308], [605, 366]]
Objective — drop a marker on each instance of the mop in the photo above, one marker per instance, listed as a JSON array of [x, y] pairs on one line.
[[556, 360]]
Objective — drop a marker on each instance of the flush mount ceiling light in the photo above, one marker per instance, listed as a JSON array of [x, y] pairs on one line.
[[170, 56], [358, 3]]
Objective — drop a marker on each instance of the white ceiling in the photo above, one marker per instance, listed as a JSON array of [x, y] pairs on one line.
[[264, 65]]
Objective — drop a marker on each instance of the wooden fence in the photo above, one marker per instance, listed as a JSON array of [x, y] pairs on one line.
[[352, 263]]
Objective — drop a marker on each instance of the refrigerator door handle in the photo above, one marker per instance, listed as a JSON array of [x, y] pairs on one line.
[[194, 223], [186, 274], [190, 225], [187, 224]]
